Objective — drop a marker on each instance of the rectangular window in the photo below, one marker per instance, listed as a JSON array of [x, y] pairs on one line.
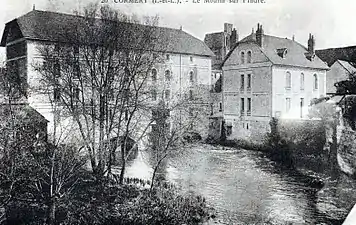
[[249, 82], [301, 107], [192, 79], [220, 107], [228, 130], [110, 74], [191, 58], [288, 80], [57, 69], [242, 83], [249, 106], [154, 95], [242, 106], [288, 104], [302, 81], [191, 112], [56, 94], [191, 96], [76, 92], [76, 70], [316, 83], [167, 94], [168, 57]]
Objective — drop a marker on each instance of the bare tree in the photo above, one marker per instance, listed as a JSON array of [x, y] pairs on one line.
[[97, 71], [173, 123], [32, 172]]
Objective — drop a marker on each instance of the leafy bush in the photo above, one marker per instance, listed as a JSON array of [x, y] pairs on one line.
[[277, 147], [127, 204], [94, 202]]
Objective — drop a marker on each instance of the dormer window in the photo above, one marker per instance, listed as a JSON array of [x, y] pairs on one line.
[[310, 56], [249, 54], [282, 52], [242, 57]]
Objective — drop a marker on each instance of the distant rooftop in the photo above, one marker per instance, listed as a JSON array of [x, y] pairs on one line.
[[331, 55]]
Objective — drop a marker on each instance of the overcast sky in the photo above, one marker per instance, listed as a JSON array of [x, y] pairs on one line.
[[331, 21]]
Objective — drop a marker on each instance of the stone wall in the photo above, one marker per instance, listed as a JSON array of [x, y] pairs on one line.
[[346, 151]]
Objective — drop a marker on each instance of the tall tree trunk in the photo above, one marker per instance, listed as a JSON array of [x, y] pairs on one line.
[[52, 211], [123, 158], [158, 164], [52, 203], [101, 163]]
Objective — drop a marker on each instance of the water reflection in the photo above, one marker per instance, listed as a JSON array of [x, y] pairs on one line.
[[242, 185]]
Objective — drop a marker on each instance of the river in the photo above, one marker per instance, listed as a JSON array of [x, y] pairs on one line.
[[243, 186]]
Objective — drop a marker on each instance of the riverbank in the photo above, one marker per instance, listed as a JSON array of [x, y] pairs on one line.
[[304, 165], [333, 193]]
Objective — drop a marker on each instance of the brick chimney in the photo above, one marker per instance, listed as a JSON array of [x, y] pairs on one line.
[[259, 35], [234, 38], [228, 28], [311, 44]]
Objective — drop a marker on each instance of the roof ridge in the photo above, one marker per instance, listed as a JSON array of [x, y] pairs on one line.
[[341, 60], [345, 65], [274, 42], [33, 23], [271, 36], [83, 17], [218, 32]]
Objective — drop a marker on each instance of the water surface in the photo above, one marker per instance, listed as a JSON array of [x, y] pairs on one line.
[[243, 186]]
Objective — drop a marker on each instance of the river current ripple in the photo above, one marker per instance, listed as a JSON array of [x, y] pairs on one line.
[[243, 186]]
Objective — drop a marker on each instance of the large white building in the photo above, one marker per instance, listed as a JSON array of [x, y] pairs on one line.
[[187, 60], [267, 76]]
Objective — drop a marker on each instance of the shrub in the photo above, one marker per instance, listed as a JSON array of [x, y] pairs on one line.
[[278, 149], [127, 204]]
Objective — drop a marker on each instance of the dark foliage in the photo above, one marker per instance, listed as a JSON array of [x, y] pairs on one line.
[[102, 202], [192, 137], [278, 148]]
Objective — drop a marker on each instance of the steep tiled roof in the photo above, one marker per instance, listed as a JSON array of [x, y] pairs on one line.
[[331, 55], [49, 26], [348, 66], [215, 40], [295, 55]]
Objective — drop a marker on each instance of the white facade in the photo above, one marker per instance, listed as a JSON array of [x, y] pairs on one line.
[[265, 77], [292, 102], [181, 68]]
